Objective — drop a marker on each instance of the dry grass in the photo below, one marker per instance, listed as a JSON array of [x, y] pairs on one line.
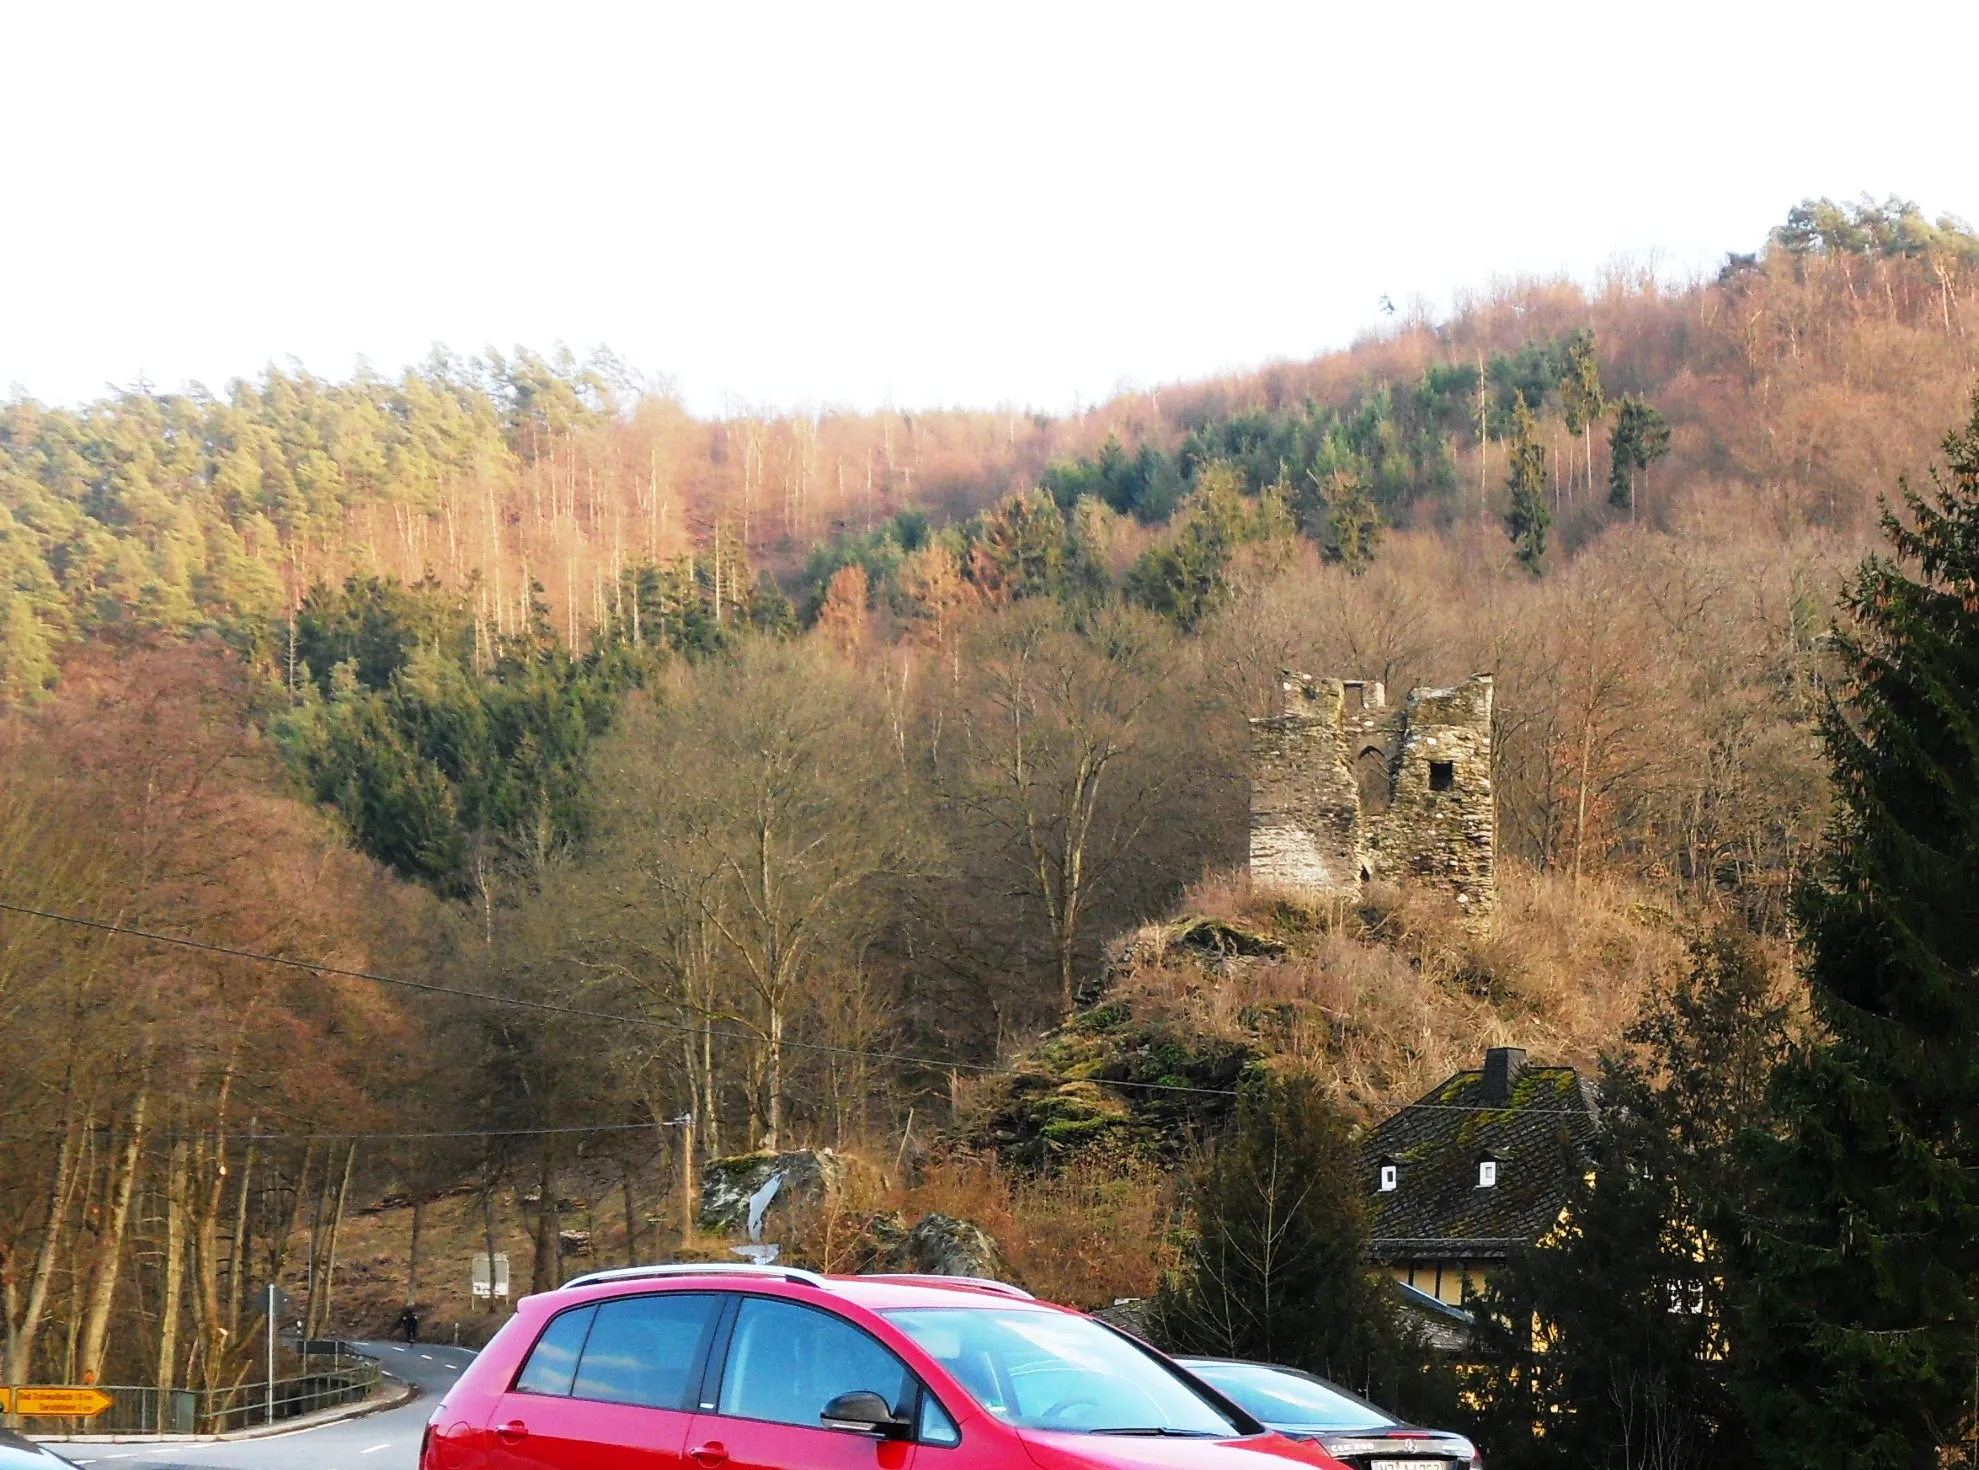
[[1085, 1236], [1390, 997]]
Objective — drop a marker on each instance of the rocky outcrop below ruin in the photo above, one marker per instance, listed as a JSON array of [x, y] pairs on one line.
[[1110, 1085], [936, 1245]]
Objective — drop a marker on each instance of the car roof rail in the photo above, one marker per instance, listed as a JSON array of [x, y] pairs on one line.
[[699, 1268], [930, 1278]]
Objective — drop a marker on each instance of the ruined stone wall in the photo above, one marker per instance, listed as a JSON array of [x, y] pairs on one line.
[[1346, 790], [1441, 826], [1304, 815]]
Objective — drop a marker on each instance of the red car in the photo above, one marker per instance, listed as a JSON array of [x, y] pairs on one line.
[[761, 1368]]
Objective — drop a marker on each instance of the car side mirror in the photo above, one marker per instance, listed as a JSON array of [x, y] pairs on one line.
[[864, 1410]]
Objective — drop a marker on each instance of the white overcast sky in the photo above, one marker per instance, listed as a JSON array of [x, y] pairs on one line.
[[947, 202]]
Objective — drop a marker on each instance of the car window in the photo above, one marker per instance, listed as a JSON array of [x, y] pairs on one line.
[[1053, 1370], [642, 1348], [936, 1428], [786, 1362], [553, 1360], [1289, 1399]]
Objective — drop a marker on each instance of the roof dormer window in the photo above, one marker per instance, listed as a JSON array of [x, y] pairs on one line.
[[1390, 1177], [1487, 1172]]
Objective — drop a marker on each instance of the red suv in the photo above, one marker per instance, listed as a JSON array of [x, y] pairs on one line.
[[761, 1368]]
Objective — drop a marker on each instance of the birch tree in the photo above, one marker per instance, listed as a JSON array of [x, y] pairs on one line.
[[1057, 717], [770, 820]]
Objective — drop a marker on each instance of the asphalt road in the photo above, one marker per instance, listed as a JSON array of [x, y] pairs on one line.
[[387, 1440]]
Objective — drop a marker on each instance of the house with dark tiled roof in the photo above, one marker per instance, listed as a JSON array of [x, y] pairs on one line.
[[1474, 1169]]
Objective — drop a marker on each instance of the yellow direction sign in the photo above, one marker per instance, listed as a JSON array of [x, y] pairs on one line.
[[66, 1403]]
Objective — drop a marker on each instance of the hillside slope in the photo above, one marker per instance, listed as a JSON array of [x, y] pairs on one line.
[[1796, 386]]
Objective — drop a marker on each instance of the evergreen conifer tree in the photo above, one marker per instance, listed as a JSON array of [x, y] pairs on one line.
[[1527, 518], [1638, 1372], [1353, 523], [1277, 1270], [1582, 399], [1640, 438], [1856, 1345], [27, 669]]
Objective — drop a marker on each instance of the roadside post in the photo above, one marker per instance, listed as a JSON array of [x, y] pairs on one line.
[[278, 1307]]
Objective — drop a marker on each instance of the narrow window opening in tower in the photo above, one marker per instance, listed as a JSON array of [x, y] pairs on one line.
[[1442, 775], [1371, 775]]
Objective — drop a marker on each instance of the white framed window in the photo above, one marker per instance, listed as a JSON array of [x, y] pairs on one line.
[[1487, 1173], [1389, 1176]]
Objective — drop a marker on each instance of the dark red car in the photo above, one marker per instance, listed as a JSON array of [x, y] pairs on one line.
[[740, 1368]]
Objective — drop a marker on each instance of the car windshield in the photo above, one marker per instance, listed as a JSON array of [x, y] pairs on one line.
[[1287, 1400], [1049, 1370]]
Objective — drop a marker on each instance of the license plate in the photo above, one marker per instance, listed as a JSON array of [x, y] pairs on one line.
[[1408, 1464]]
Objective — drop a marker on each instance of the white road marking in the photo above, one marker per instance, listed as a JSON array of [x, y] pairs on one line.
[[375, 1448], [398, 1347], [427, 1356]]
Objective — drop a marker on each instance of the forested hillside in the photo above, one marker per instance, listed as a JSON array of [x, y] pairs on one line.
[[773, 777], [1791, 386]]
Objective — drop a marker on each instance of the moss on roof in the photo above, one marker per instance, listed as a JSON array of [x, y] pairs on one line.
[[1539, 1134]]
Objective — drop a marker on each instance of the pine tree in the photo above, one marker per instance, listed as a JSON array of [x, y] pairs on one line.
[[1017, 549], [1861, 1255], [1640, 438], [1187, 577], [1637, 1373], [1277, 1269], [1353, 523], [27, 670], [1527, 518], [1582, 399]]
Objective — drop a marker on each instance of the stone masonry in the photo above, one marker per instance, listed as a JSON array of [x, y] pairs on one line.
[[1346, 791]]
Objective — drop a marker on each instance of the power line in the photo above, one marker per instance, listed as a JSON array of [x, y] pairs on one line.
[[172, 1135], [983, 1069]]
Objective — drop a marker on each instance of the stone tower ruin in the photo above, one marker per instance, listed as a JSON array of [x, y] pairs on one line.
[[1346, 791]]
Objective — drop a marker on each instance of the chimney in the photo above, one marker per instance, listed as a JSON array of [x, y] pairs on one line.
[[1502, 1065]]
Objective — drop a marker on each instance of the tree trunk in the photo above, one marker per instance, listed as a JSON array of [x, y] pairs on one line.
[[631, 1219], [708, 1115], [545, 1269], [239, 1247], [278, 1238], [687, 1201], [1580, 809], [313, 1267], [21, 1347], [773, 1059], [173, 1285], [206, 1259], [110, 1253], [488, 1229], [319, 1313]]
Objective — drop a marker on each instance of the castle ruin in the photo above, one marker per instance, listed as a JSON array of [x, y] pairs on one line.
[[1346, 791]]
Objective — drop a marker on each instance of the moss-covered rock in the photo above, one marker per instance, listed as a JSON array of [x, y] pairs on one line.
[[1107, 1084], [941, 1246]]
